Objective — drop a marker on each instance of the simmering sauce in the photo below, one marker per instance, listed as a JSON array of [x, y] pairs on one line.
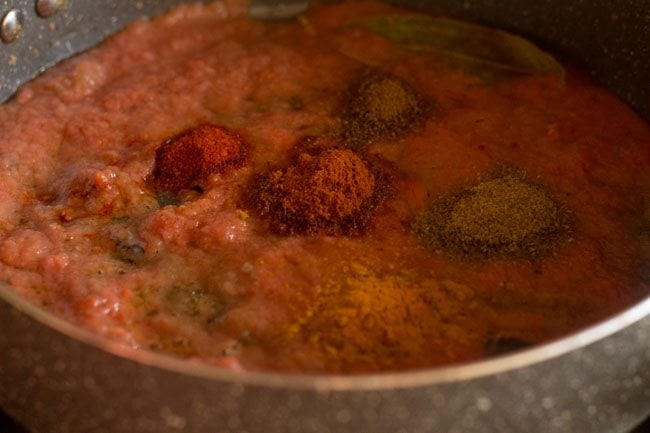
[[321, 194]]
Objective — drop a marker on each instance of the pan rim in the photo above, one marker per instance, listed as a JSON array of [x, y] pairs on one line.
[[328, 382]]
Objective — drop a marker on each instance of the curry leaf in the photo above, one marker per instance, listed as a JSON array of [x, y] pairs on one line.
[[491, 54]]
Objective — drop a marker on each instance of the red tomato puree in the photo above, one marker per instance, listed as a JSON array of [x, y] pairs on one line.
[[252, 194]]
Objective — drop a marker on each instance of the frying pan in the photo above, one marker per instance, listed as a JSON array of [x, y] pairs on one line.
[[55, 377]]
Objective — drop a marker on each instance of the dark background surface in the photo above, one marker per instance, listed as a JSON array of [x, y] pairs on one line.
[[8, 426]]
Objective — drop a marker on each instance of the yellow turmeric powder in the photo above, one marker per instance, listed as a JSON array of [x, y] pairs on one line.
[[369, 322]]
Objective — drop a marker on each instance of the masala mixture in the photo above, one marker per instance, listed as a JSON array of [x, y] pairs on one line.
[[362, 188]]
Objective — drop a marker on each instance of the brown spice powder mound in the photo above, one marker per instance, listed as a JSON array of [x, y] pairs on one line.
[[380, 106], [194, 155], [331, 192], [502, 216]]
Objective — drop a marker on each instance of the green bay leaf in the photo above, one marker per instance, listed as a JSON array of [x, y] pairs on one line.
[[491, 54]]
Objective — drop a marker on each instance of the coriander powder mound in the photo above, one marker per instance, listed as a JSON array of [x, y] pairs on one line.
[[380, 107], [505, 216]]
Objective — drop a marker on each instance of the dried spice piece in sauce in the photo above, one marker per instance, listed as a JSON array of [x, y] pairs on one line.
[[176, 314], [499, 345], [331, 192], [195, 302], [194, 155], [491, 54], [504, 216], [380, 106]]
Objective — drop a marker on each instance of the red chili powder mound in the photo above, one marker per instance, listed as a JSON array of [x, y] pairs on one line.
[[332, 192], [194, 155]]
